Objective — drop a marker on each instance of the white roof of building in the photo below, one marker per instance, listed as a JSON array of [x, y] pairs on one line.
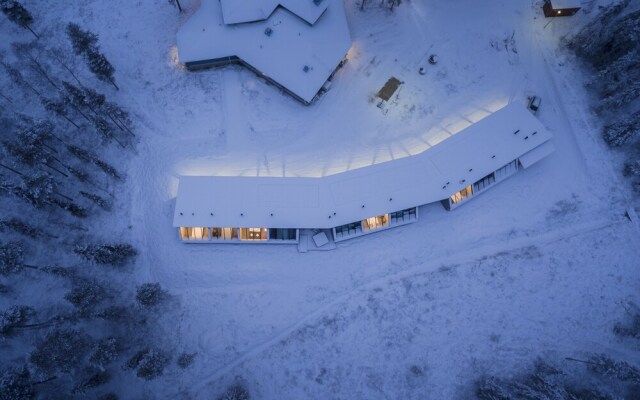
[[326, 202], [239, 11], [297, 55], [566, 4]]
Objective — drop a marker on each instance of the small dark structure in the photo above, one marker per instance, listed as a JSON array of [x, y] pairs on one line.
[[562, 8], [389, 89]]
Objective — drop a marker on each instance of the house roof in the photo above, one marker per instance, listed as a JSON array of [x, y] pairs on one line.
[[329, 201], [284, 47], [559, 4], [240, 11]]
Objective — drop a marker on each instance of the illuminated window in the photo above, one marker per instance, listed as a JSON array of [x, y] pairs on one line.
[[253, 233], [224, 233], [461, 195], [194, 233], [376, 222]]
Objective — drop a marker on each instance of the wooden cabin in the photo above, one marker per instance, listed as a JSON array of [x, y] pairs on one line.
[[560, 8]]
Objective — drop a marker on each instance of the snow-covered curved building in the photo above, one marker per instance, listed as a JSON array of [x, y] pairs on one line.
[[224, 209], [296, 45]]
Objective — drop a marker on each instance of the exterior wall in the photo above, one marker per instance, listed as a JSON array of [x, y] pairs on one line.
[[235, 235], [550, 12], [360, 228], [218, 62]]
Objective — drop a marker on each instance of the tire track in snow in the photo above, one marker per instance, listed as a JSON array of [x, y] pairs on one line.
[[428, 266]]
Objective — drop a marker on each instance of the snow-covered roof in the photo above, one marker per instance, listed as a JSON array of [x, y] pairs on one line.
[[329, 201], [284, 47], [566, 4], [239, 11]]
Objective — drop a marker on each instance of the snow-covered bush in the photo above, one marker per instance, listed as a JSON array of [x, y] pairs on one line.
[[185, 360], [150, 294], [116, 254], [235, 392], [61, 350]]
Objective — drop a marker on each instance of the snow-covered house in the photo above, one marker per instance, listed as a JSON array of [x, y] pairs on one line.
[[224, 209], [295, 44]]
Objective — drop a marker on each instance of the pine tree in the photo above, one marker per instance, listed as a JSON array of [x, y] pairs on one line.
[[148, 363], [58, 107], [14, 317], [15, 384], [21, 227], [92, 379], [85, 295], [150, 294], [101, 67], [17, 14], [100, 201], [237, 392], [622, 131], [11, 258], [105, 352], [620, 370], [117, 254], [60, 351], [82, 41]]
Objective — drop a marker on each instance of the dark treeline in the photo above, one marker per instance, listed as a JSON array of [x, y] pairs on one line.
[[610, 46], [71, 323]]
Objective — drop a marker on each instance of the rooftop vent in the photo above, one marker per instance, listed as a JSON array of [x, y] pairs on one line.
[[306, 68], [268, 31], [317, 2]]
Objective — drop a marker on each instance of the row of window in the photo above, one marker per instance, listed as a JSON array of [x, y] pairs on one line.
[[485, 182], [377, 222], [206, 233]]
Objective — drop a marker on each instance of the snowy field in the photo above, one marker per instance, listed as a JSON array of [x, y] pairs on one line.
[[537, 266]]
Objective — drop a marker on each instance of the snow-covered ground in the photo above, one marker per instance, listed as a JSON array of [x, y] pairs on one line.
[[536, 266]]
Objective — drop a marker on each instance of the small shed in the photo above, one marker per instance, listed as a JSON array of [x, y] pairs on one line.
[[389, 89], [560, 8]]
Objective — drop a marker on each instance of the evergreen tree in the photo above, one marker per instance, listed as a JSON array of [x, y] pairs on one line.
[[148, 363], [105, 352], [14, 317], [622, 131], [82, 41], [20, 227], [620, 370], [150, 294], [11, 258], [60, 351], [101, 67], [107, 254], [237, 392], [85, 295], [15, 384], [17, 14]]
